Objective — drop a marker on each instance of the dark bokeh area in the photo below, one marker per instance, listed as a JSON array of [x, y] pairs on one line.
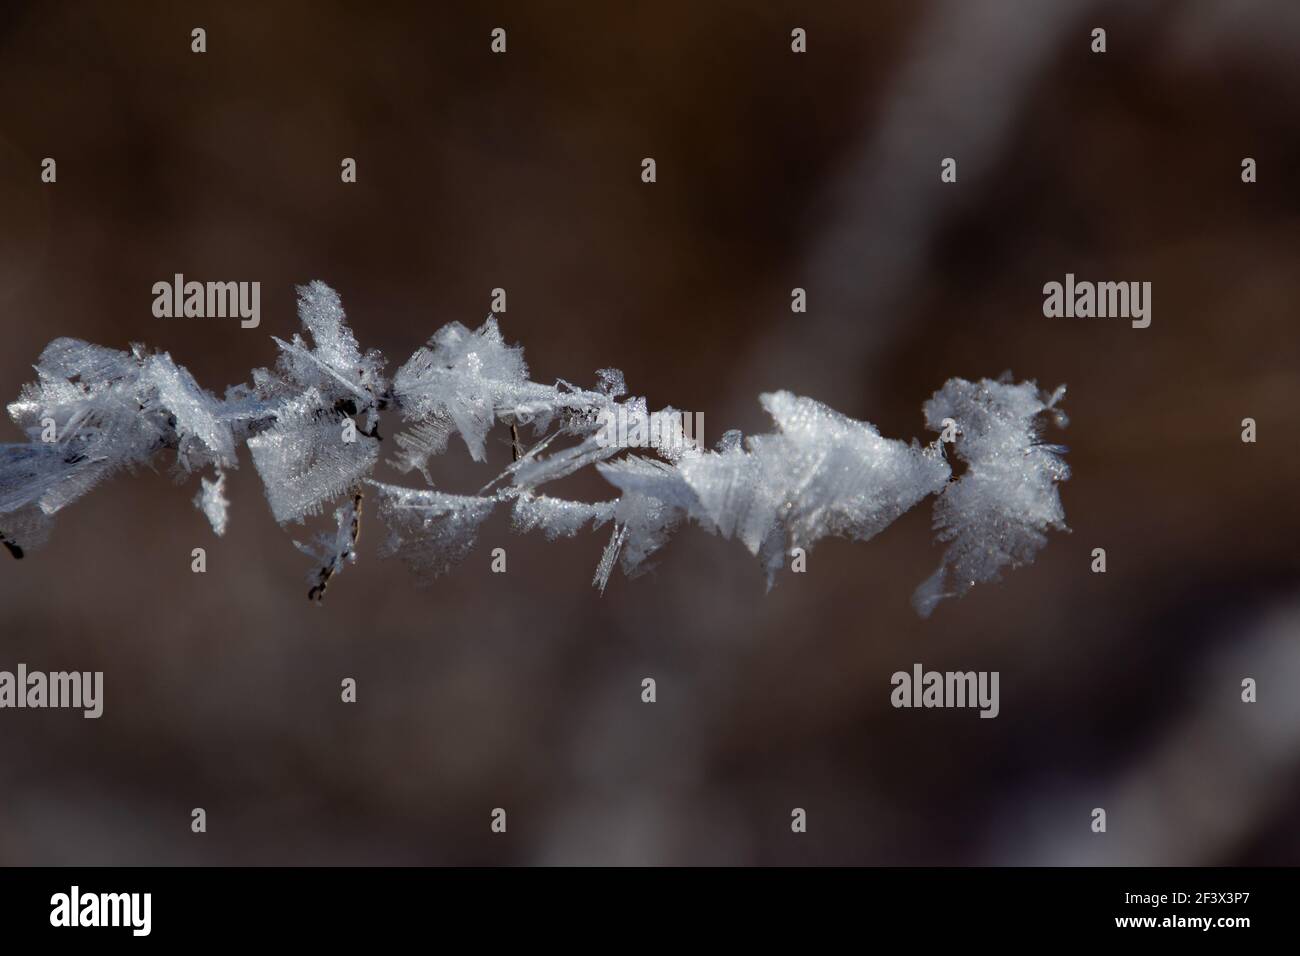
[[775, 170]]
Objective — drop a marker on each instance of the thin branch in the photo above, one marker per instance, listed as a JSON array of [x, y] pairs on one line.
[[335, 564]]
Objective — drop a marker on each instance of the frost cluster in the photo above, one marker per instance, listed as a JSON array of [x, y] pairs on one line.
[[311, 425]]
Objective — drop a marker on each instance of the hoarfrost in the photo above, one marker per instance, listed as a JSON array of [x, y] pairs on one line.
[[558, 517], [211, 500], [997, 514], [303, 459], [311, 426], [459, 381], [333, 362], [94, 411], [431, 531], [821, 474], [605, 567]]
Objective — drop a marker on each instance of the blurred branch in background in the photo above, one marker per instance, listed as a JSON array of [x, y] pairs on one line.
[[968, 74]]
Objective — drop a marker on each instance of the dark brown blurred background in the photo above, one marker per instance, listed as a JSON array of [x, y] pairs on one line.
[[775, 170]]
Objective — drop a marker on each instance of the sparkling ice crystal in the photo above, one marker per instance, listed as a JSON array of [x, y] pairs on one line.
[[311, 425]]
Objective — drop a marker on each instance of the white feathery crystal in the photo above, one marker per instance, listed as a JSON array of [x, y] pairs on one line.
[[211, 500], [997, 514], [311, 426]]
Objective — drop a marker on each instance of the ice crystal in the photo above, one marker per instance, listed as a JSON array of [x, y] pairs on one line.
[[311, 424], [997, 514], [304, 459], [430, 530], [211, 500], [821, 474], [557, 517], [94, 411]]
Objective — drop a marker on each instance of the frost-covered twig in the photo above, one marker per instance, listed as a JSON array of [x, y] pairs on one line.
[[333, 552], [311, 427]]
